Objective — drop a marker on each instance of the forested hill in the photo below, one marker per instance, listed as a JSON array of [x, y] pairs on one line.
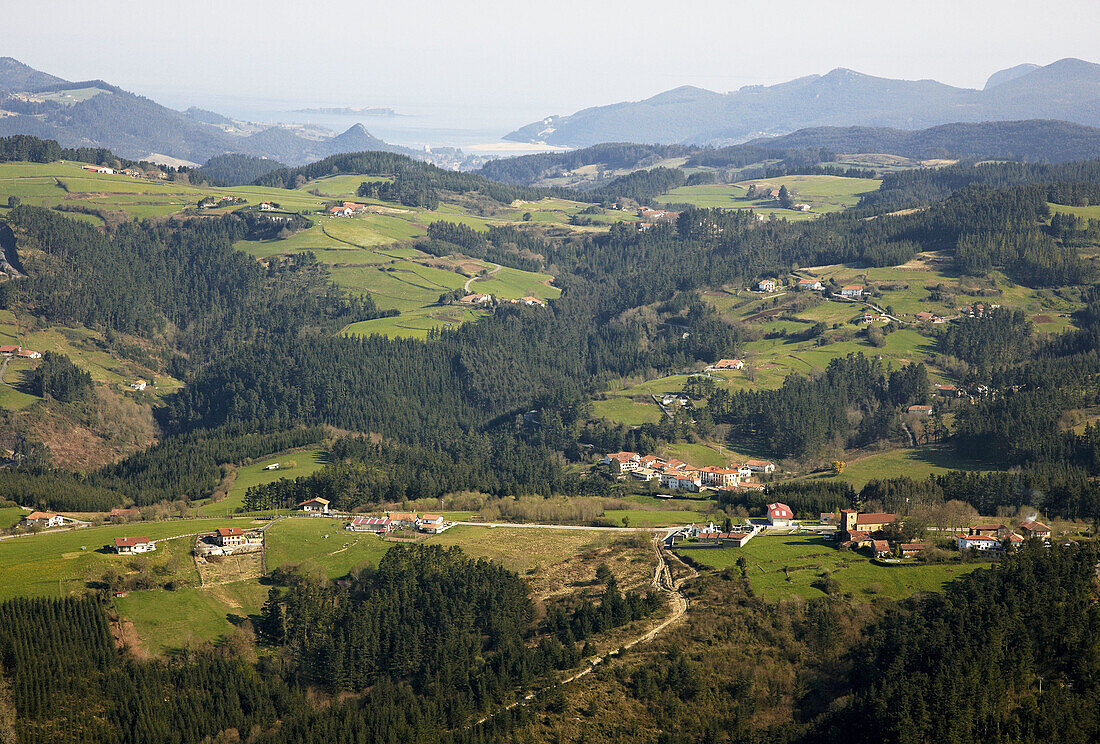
[[409, 175]]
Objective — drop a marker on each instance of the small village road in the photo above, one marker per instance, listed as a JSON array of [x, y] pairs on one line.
[[472, 279], [528, 525]]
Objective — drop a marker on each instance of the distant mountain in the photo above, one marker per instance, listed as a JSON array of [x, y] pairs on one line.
[[1068, 90], [1003, 76], [1034, 140], [104, 115]]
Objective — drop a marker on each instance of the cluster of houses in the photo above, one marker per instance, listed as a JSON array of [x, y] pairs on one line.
[[12, 350], [651, 217], [131, 172], [852, 291], [431, 524], [679, 476], [998, 538], [476, 298], [709, 535]]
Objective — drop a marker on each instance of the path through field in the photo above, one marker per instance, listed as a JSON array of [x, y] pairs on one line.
[[663, 582], [472, 279]]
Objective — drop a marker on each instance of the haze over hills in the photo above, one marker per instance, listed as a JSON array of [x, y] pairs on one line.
[[1067, 90], [97, 114]]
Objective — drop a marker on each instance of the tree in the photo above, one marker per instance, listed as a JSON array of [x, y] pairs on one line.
[[13, 201], [785, 200], [603, 573], [838, 467]]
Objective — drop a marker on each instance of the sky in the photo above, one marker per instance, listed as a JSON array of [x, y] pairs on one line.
[[512, 62]]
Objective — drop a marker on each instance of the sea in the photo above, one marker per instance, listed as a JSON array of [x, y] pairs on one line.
[[470, 127]]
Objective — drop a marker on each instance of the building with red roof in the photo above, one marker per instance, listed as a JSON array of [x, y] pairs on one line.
[[131, 545], [780, 515]]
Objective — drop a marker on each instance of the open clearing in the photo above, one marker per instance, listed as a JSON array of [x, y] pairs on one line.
[[823, 193], [807, 557], [304, 461]]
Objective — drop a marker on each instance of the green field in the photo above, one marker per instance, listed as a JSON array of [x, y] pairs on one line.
[[323, 542], [64, 562], [917, 463], [521, 549], [164, 621], [653, 517], [627, 411], [823, 194], [806, 557], [306, 462]]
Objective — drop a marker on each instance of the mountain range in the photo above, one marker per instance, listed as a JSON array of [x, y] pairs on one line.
[[94, 113], [1067, 90]]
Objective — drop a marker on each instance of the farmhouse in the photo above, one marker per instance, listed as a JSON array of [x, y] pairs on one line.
[[230, 537], [1032, 528], [369, 524], [138, 385], [728, 364], [533, 301], [272, 466], [851, 290], [43, 519], [920, 410], [266, 206], [767, 285], [98, 169], [476, 299], [682, 480], [28, 354], [433, 524], [317, 505], [9, 350], [131, 545], [402, 519], [880, 548], [622, 462], [760, 466], [927, 317], [813, 284], [911, 550], [341, 211], [132, 172], [947, 391], [780, 515]]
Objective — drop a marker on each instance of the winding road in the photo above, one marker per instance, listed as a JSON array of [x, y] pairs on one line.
[[472, 279], [663, 582]]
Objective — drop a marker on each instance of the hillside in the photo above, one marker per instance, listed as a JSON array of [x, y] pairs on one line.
[[97, 114], [1067, 90]]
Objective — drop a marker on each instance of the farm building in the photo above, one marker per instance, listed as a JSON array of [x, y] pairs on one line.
[[230, 537], [315, 505], [760, 466], [780, 515], [403, 519], [43, 519], [1032, 528], [369, 524], [28, 354], [728, 364], [139, 385], [813, 284], [476, 299], [622, 462], [131, 545], [920, 410], [851, 290], [767, 285], [10, 350]]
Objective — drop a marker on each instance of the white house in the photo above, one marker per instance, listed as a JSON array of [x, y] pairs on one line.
[[813, 284], [272, 466], [476, 299], [767, 285], [728, 364], [139, 385], [688, 480], [622, 462], [43, 519], [780, 515], [316, 505], [719, 477], [851, 290], [760, 466], [131, 545], [431, 523], [977, 542]]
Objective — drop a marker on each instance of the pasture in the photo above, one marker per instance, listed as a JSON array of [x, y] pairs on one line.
[[823, 193], [785, 566], [323, 542], [292, 465]]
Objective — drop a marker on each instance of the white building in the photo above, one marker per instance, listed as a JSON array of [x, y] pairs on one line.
[[315, 505], [131, 545], [780, 515]]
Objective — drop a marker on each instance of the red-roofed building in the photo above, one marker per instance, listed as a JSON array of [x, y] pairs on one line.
[[230, 537], [476, 299], [880, 547], [403, 519], [853, 524], [780, 515], [851, 290], [43, 519], [728, 364], [10, 349], [131, 545], [947, 391], [719, 477], [28, 354], [920, 410], [622, 462], [1032, 528], [760, 466], [911, 550], [369, 524]]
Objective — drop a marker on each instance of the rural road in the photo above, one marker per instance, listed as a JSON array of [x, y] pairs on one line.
[[562, 527], [3, 369], [662, 581], [472, 279]]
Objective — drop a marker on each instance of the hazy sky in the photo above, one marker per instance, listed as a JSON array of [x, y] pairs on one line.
[[525, 59]]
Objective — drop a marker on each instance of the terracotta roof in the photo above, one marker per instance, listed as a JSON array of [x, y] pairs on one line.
[[403, 516], [129, 542], [913, 546], [41, 515], [1032, 525], [978, 538], [880, 546], [229, 531], [920, 408], [314, 499], [431, 517], [757, 463], [780, 511], [878, 518]]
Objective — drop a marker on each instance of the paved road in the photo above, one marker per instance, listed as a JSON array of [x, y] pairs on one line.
[[662, 581], [472, 279]]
